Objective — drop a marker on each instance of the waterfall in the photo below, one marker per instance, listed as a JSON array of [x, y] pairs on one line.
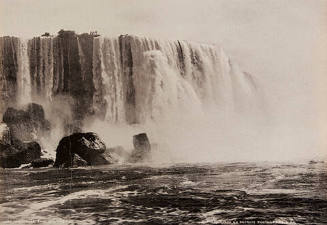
[[24, 79], [111, 74], [127, 79], [47, 59], [40, 51]]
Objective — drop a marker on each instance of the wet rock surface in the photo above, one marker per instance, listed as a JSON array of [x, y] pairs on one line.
[[42, 162], [88, 146], [29, 124], [142, 148], [18, 153], [78, 161]]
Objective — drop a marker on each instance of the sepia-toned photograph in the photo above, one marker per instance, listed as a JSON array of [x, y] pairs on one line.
[[155, 112]]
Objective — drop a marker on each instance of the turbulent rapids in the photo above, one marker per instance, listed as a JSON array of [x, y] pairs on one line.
[[238, 193], [127, 79]]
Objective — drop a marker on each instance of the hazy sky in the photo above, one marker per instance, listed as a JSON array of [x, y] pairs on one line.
[[282, 42]]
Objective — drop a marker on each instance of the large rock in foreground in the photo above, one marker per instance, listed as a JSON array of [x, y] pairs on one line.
[[87, 146], [142, 148], [29, 124], [18, 153]]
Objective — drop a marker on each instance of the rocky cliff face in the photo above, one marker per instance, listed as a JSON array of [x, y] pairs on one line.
[[127, 79]]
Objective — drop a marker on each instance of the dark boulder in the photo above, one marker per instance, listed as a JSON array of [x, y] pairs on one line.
[[142, 148], [42, 162], [8, 156], [78, 161], [13, 115], [87, 146], [18, 153], [35, 112], [29, 124]]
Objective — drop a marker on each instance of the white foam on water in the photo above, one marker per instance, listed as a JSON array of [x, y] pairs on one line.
[[211, 216], [30, 214]]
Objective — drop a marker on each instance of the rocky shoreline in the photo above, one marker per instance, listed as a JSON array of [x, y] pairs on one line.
[[21, 130]]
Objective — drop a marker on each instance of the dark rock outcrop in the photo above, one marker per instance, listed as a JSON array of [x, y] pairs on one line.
[[142, 148], [35, 112], [18, 152], [78, 161], [29, 124], [88, 146], [13, 115], [42, 162]]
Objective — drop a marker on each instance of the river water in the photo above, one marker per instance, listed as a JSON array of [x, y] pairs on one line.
[[233, 193]]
